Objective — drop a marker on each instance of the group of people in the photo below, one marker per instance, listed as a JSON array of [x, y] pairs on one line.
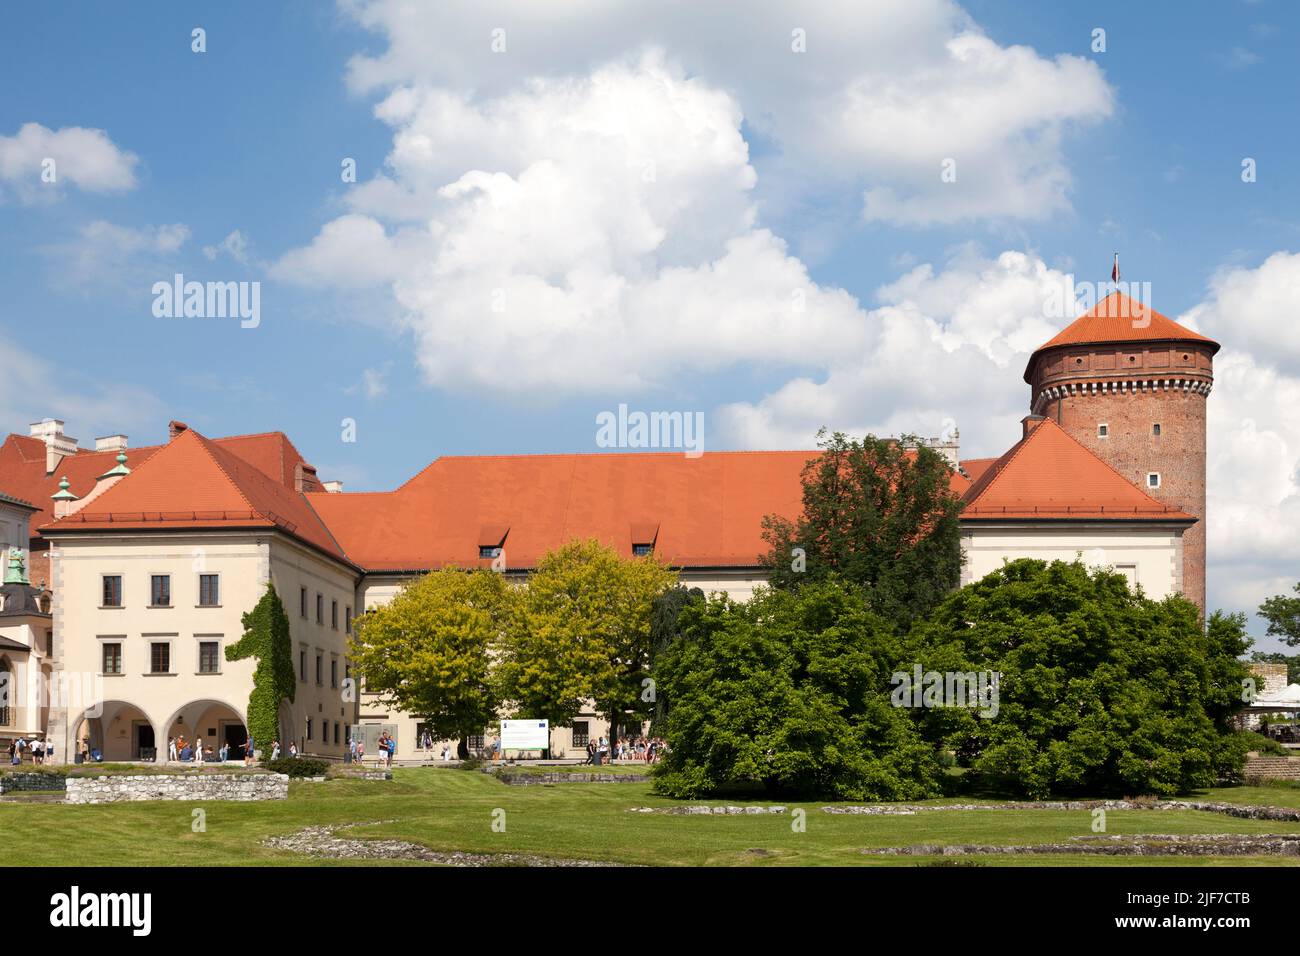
[[181, 751], [387, 745], [641, 748], [37, 748]]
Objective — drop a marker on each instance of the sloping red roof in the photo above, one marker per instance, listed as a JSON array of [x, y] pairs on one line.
[[1050, 475], [708, 510], [193, 482], [1118, 319], [22, 466]]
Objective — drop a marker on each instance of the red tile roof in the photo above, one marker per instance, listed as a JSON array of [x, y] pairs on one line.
[[1050, 475], [194, 482], [1118, 319], [22, 466]]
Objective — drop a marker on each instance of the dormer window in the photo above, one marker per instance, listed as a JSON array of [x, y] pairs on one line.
[[642, 550], [489, 551], [492, 541]]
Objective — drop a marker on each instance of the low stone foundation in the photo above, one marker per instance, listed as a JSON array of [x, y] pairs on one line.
[[1271, 768], [693, 810], [1153, 844], [185, 787], [31, 782]]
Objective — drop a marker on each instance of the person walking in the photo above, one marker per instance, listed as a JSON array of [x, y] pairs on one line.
[[249, 751], [198, 750], [171, 749]]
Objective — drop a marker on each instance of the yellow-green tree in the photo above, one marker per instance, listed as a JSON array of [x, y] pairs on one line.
[[430, 650], [581, 629]]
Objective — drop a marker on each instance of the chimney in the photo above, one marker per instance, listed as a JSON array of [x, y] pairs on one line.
[[1029, 423], [174, 428], [948, 445], [304, 477], [57, 445], [111, 443], [333, 487]]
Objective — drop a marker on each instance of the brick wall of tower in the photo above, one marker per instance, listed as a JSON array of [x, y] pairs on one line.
[[1085, 386]]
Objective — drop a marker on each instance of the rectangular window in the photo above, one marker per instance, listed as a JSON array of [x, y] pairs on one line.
[[641, 550], [309, 728], [320, 608], [320, 669], [336, 733], [488, 551], [334, 615], [209, 590], [302, 601], [302, 665], [1153, 480], [112, 658], [1155, 429], [324, 731], [334, 673], [1103, 430], [160, 658], [112, 590], [209, 657], [160, 590], [347, 619], [1130, 573], [580, 733]]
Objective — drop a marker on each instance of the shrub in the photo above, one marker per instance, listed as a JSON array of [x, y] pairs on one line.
[[298, 766]]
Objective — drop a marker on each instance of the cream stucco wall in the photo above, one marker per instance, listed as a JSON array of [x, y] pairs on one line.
[[183, 700], [1150, 554]]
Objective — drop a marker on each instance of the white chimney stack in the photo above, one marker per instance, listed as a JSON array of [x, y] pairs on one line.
[[57, 445], [111, 443], [333, 487]]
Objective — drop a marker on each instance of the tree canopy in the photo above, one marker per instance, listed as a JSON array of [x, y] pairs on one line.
[[1283, 616], [878, 513], [430, 649]]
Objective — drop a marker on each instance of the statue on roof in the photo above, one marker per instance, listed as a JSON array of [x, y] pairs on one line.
[[16, 570]]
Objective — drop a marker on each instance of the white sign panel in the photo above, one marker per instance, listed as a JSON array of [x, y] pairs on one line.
[[525, 735]]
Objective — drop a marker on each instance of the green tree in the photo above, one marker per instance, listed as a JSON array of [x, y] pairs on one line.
[[790, 692], [1283, 616], [429, 651], [878, 513], [266, 638], [1101, 691], [664, 616], [581, 630]]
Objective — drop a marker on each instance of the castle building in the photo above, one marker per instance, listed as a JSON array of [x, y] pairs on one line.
[[147, 558]]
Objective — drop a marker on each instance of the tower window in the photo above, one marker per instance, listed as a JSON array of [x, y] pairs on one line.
[[1155, 429], [1153, 479], [1102, 430]]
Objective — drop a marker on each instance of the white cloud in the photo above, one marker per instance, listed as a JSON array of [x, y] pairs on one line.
[[1256, 310], [946, 346], [84, 157], [350, 252], [234, 245], [104, 254], [883, 94], [92, 405]]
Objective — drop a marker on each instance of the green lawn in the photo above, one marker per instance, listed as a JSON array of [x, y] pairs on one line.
[[452, 810]]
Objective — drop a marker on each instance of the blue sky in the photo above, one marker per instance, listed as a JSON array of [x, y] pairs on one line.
[[1137, 149]]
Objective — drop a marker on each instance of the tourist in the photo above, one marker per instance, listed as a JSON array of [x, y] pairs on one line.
[[446, 753], [352, 748], [293, 749], [603, 752], [38, 751], [171, 749], [361, 751], [275, 750], [85, 750], [13, 752], [198, 750]]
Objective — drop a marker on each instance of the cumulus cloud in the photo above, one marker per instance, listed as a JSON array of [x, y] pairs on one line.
[[234, 245], [107, 255], [875, 95], [37, 161]]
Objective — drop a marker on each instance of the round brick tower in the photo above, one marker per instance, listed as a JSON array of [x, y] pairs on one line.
[[1130, 385]]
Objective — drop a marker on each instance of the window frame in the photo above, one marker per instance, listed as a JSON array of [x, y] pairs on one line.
[[153, 589], [154, 643], [216, 576], [103, 592], [1159, 480], [1103, 429], [202, 639]]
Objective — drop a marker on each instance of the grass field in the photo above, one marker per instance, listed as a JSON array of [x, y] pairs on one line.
[[453, 810]]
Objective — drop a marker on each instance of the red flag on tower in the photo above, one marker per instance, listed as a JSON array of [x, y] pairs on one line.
[[1114, 270]]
